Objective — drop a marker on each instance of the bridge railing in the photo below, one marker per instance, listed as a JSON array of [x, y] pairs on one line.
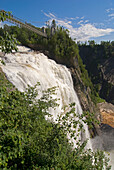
[[22, 23]]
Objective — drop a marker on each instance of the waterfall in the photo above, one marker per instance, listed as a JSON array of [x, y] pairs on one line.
[[28, 68]]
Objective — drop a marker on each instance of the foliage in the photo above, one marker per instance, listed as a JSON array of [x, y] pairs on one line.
[[7, 41], [59, 45], [84, 74], [29, 141], [62, 46], [4, 15], [88, 83]]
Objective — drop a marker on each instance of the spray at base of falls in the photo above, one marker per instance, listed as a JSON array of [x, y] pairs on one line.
[[23, 69]]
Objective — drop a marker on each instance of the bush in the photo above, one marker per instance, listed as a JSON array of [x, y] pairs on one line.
[[29, 141]]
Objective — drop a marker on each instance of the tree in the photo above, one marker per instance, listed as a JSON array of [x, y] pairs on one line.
[[53, 24], [91, 43], [7, 42], [29, 141]]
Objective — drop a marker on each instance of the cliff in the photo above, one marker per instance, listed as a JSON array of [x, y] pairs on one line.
[[99, 61], [107, 72]]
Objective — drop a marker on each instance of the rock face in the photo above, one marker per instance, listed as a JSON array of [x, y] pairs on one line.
[[108, 70], [107, 89], [83, 93], [99, 62], [107, 113], [85, 99]]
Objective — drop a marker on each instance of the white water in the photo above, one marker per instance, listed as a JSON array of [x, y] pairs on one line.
[[24, 69]]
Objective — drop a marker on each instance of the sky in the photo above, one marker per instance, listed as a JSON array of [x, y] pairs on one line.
[[85, 19]]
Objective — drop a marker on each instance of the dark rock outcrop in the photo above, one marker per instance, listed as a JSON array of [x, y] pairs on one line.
[[85, 99], [107, 89], [108, 70], [82, 91]]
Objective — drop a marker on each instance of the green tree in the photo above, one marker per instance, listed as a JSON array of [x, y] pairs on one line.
[[29, 141], [53, 25], [7, 42]]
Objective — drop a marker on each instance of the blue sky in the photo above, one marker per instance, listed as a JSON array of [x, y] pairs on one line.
[[85, 19]]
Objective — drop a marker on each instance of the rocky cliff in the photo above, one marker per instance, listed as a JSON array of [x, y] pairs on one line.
[[99, 61], [82, 91], [107, 72]]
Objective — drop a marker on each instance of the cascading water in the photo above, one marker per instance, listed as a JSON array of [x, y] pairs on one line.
[[24, 69]]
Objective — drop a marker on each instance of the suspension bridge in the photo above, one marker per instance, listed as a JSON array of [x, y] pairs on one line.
[[21, 23]]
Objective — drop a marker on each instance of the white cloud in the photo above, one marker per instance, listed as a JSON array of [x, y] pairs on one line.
[[69, 22], [84, 30], [51, 15], [82, 17], [87, 31], [48, 15], [86, 21], [110, 12], [75, 18], [110, 9], [81, 21], [111, 15], [1, 24]]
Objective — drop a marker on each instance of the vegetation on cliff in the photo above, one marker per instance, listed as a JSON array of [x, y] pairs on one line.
[[59, 45]]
